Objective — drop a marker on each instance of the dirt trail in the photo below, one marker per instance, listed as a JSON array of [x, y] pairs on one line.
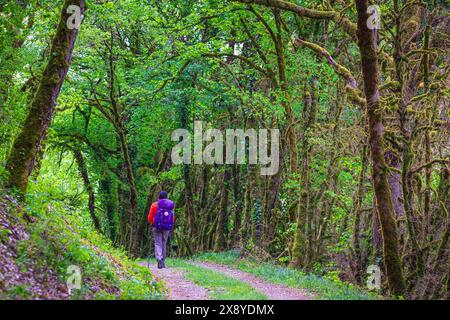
[[179, 287], [272, 291], [182, 289]]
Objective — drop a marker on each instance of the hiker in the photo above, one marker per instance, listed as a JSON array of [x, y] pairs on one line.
[[162, 219]]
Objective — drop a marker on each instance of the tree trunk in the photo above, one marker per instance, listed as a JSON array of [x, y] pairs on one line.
[[189, 219], [21, 160], [385, 210], [134, 241], [312, 115], [238, 206], [109, 205], [302, 249], [357, 213], [220, 242], [87, 185], [117, 119]]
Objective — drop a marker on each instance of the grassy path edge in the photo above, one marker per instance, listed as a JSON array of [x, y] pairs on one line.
[[219, 285], [329, 287]]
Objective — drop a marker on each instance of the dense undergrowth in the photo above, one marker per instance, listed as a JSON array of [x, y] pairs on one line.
[[40, 239], [327, 287]]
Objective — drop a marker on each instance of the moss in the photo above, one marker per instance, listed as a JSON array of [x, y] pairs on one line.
[[384, 206], [21, 160]]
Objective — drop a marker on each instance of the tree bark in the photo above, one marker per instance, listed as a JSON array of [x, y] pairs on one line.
[[220, 242], [357, 213], [21, 160], [189, 218], [109, 205], [384, 206], [237, 206], [87, 185]]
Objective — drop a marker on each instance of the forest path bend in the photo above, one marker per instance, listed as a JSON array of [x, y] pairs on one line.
[[179, 287], [271, 290]]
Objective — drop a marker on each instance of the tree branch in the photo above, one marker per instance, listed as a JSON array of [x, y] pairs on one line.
[[348, 26], [339, 69]]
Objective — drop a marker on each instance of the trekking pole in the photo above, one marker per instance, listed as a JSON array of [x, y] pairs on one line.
[[170, 244], [150, 250]]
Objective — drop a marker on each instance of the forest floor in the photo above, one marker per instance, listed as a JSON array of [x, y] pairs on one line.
[[198, 280]]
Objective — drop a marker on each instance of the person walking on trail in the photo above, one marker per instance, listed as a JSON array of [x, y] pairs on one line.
[[162, 219]]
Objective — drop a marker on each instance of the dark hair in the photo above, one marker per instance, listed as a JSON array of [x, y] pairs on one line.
[[163, 195]]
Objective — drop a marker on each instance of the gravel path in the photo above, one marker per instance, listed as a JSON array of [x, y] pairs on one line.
[[179, 287], [272, 291]]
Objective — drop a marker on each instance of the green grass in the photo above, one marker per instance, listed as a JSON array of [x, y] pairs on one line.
[[329, 287], [18, 292], [220, 286]]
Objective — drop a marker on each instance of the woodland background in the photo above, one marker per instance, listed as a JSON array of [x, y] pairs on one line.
[[364, 117]]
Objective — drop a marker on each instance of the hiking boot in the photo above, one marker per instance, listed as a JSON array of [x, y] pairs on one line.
[[160, 264], [163, 263]]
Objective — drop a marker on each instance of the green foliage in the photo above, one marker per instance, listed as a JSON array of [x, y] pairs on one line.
[[19, 292]]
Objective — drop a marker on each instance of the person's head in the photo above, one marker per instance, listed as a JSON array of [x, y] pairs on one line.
[[163, 195]]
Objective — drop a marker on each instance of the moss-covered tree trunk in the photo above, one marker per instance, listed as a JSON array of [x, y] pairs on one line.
[[357, 223], [291, 128], [21, 160], [302, 251], [108, 195], [189, 219], [237, 206], [133, 220], [246, 227], [220, 242], [309, 127], [115, 114], [82, 169], [384, 206]]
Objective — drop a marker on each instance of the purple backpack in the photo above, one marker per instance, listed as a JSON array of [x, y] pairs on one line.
[[164, 215]]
